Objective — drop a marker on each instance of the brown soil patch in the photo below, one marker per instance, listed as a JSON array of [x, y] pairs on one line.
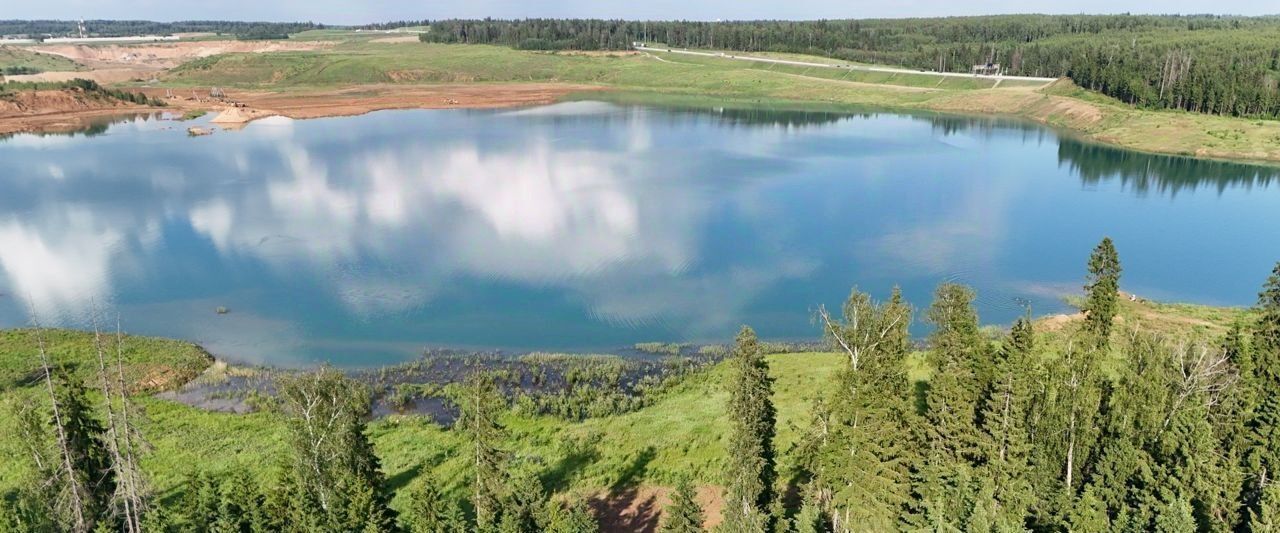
[[167, 55], [364, 99], [159, 378], [1076, 112], [639, 509], [1057, 322]]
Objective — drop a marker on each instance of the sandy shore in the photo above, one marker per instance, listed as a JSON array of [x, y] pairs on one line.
[[239, 107]]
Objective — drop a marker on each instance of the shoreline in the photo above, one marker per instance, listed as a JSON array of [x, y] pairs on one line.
[[219, 384], [244, 106], [1063, 114]]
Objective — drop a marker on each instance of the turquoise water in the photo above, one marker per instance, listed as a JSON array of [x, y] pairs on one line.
[[591, 227]]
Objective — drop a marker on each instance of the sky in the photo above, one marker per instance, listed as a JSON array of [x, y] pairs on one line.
[[364, 11]]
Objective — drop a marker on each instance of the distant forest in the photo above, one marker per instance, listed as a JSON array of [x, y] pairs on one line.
[[1207, 64], [123, 28]]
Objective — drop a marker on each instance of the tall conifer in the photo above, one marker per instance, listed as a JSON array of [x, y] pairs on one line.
[[480, 403], [752, 471], [1102, 291]]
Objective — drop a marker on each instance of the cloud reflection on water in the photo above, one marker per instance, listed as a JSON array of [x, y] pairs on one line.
[[424, 227]]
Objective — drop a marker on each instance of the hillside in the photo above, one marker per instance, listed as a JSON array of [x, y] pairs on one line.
[[1223, 65], [658, 77], [64, 106], [624, 464]]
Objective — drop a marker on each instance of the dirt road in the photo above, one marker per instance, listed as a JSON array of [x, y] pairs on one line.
[[863, 68]]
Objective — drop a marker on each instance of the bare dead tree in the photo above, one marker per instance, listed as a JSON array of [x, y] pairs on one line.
[[119, 432], [867, 325], [113, 435], [131, 438], [74, 489], [1203, 373]]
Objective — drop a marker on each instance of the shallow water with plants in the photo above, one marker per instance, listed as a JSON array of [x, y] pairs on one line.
[[591, 227]]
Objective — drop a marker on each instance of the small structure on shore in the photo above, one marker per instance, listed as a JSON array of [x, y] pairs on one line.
[[989, 69]]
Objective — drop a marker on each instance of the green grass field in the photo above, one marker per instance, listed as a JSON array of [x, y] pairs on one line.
[[682, 433], [18, 57]]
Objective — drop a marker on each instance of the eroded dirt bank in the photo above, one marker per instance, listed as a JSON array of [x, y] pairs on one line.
[[56, 110]]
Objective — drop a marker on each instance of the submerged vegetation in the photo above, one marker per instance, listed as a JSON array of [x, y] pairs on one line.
[[1134, 417]]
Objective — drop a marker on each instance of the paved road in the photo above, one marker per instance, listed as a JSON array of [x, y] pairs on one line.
[[863, 68]]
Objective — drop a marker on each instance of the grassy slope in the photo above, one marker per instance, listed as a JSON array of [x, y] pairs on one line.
[[11, 56], [664, 75], [155, 364], [151, 365], [683, 432]]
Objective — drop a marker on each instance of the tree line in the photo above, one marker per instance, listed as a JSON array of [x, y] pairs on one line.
[[128, 28], [1209, 64], [1109, 429], [1099, 426]]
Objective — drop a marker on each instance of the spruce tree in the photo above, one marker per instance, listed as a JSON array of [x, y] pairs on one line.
[[524, 500], [751, 471], [1262, 456], [1102, 291], [858, 449], [25, 511], [1124, 471], [86, 444], [946, 482], [1266, 517], [201, 501], [238, 505], [159, 519], [1265, 360], [280, 510], [1175, 516], [1070, 406], [683, 515], [479, 404], [432, 512], [364, 509], [1006, 439], [811, 518], [1239, 403], [570, 517], [1089, 515]]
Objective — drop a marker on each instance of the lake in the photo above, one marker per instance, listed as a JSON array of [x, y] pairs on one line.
[[589, 227]]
